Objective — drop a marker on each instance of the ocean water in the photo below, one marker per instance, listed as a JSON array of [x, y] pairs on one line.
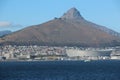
[[60, 70]]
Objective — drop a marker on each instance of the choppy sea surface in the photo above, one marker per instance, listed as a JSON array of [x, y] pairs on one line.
[[60, 70]]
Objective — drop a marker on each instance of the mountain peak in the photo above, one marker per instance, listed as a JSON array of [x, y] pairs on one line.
[[72, 30], [72, 13]]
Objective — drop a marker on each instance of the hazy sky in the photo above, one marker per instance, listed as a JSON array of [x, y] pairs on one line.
[[17, 14]]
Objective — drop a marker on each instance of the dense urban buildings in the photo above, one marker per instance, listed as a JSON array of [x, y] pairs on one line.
[[35, 52]]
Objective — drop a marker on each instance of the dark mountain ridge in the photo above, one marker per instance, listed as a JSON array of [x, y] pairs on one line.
[[5, 32]]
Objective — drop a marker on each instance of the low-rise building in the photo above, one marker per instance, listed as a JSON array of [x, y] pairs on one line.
[[88, 54]]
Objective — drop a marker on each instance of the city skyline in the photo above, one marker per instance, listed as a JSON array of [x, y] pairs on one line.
[[16, 14]]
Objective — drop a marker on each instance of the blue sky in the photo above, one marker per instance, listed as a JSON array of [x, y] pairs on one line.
[[17, 14]]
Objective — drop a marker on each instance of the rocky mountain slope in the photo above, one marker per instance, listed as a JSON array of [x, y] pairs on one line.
[[69, 30]]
